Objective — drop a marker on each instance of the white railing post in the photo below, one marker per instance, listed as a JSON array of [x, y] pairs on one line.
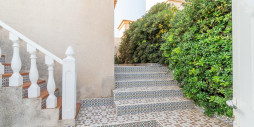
[[51, 86], [69, 85], [34, 89], [16, 79]]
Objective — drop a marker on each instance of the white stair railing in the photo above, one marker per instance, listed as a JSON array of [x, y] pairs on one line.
[[16, 79], [68, 73], [34, 89], [51, 86]]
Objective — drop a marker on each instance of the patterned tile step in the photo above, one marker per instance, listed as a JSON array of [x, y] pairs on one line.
[[6, 76], [152, 123], [97, 102], [140, 64], [7, 68], [134, 69], [145, 83], [141, 76], [41, 83], [147, 92], [136, 106], [106, 116], [2, 59]]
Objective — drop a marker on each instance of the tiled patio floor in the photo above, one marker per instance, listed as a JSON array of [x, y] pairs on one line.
[[106, 115]]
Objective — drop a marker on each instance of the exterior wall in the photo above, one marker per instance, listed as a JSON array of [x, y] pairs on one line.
[[177, 4], [86, 25], [150, 3]]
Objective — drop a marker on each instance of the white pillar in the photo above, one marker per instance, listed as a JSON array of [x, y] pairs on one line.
[[51, 86], [34, 89], [16, 79], [69, 86]]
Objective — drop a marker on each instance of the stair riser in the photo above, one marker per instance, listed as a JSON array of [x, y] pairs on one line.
[[124, 77], [43, 86], [152, 123], [140, 69], [131, 84], [7, 69], [2, 60], [158, 107], [147, 94], [43, 102], [5, 80]]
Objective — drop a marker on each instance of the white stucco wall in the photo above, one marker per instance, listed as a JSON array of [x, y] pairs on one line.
[[86, 25]]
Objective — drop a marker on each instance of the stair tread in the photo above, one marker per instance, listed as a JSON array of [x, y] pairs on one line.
[[77, 109], [137, 73], [44, 93], [149, 88], [2, 55], [145, 80], [27, 84], [9, 74], [6, 64], [149, 101]]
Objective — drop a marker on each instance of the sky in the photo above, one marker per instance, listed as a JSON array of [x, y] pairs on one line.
[[129, 10]]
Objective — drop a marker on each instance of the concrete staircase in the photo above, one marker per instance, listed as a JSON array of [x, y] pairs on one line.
[[20, 100], [145, 96], [144, 89]]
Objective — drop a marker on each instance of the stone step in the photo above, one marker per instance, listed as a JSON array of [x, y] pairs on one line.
[[2, 59], [7, 68], [136, 106], [145, 83], [147, 92], [143, 76], [6, 76], [42, 84], [133, 69]]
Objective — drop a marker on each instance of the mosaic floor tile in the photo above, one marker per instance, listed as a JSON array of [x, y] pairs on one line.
[[106, 116], [144, 83]]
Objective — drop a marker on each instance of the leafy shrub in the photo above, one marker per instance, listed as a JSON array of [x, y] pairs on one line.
[[142, 41], [199, 50]]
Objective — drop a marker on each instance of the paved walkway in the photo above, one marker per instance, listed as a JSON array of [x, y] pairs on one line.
[[106, 115]]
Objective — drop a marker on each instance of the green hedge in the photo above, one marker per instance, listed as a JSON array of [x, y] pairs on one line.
[[199, 50], [195, 42], [142, 41]]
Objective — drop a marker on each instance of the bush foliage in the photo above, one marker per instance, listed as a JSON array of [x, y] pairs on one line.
[[196, 42], [199, 50], [142, 41]]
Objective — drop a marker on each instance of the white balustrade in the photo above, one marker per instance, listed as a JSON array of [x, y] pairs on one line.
[[51, 86], [69, 85], [34, 89], [16, 79], [68, 73]]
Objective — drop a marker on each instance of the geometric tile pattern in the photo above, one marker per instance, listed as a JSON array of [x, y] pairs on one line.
[[147, 92], [135, 69], [137, 106], [145, 83], [2, 59], [141, 76], [7, 69], [97, 102], [105, 116]]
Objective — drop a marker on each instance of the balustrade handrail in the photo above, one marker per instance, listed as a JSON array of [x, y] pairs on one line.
[[30, 42]]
